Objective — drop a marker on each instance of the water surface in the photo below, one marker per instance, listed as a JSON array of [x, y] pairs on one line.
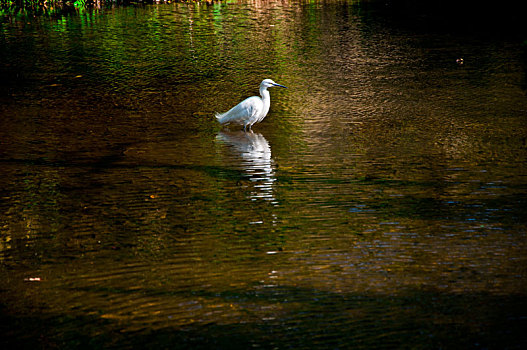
[[381, 204]]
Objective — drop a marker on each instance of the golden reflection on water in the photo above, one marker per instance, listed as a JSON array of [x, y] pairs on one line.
[[383, 197]]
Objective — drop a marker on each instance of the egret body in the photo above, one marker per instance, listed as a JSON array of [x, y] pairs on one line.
[[251, 110]]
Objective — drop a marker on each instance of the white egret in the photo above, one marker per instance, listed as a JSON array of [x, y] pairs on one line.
[[251, 110]]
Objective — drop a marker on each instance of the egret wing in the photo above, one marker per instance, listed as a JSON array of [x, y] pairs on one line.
[[242, 112]]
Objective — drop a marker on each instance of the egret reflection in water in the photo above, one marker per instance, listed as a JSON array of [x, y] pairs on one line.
[[255, 153]]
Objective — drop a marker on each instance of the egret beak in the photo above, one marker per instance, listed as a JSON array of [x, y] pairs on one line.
[[275, 84]]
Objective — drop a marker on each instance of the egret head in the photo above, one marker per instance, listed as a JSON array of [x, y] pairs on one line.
[[267, 83]]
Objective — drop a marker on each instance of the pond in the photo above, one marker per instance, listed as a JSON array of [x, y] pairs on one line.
[[381, 203]]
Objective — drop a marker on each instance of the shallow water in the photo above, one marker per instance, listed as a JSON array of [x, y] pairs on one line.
[[381, 204]]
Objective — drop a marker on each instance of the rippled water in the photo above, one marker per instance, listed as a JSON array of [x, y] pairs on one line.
[[381, 204]]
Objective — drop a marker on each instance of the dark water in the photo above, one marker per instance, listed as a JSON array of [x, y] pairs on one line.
[[381, 204]]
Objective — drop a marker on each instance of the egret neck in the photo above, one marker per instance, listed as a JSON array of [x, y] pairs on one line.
[[266, 98]]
